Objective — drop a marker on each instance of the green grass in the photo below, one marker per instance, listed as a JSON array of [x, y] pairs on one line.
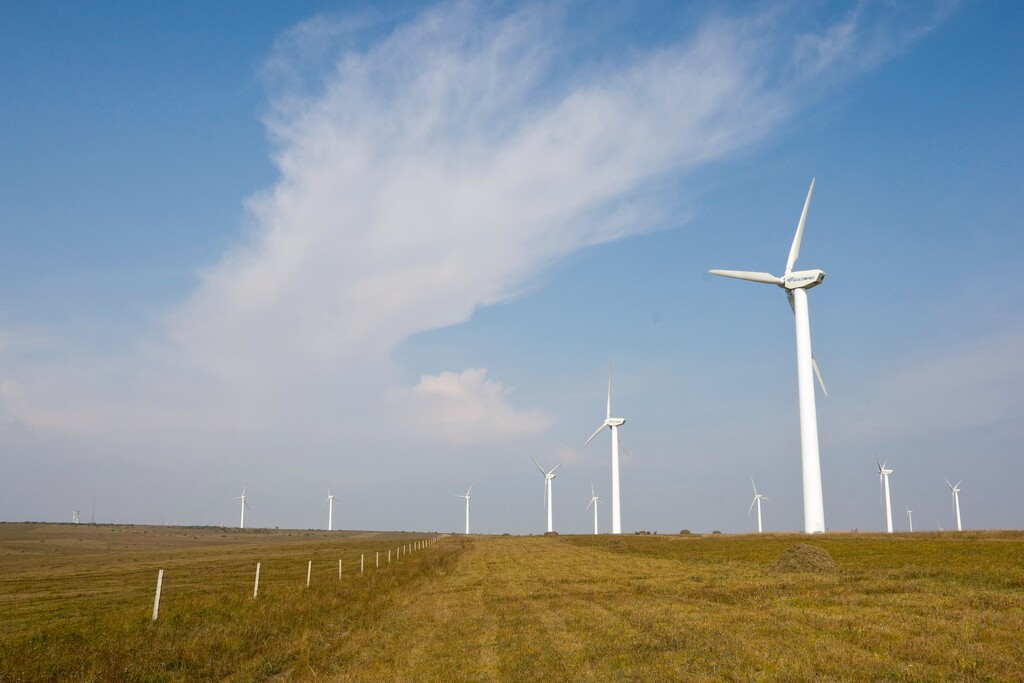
[[75, 604]]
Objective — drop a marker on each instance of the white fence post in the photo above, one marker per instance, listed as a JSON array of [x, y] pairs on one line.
[[361, 558], [256, 586], [339, 570], [378, 558], [389, 555], [156, 600], [309, 572]]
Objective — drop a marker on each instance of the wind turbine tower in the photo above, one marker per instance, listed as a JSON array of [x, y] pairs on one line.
[[883, 482], [329, 502], [796, 284], [549, 476], [955, 490], [757, 499], [241, 524], [467, 497], [612, 423], [594, 500]]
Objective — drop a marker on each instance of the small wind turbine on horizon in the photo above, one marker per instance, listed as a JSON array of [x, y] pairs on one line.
[[796, 285], [612, 423], [594, 500], [955, 490], [910, 519], [329, 502], [549, 476], [757, 499], [883, 482], [467, 497], [241, 524]]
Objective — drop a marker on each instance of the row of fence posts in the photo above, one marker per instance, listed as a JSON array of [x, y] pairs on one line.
[[414, 546]]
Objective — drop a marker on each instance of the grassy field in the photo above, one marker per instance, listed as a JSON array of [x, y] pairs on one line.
[[76, 604]]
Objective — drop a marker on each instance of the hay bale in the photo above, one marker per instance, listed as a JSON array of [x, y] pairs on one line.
[[803, 557]]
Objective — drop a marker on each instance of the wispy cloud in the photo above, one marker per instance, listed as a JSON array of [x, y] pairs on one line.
[[426, 172]]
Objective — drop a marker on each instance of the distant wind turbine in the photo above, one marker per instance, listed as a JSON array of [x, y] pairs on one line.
[[241, 524], [955, 490], [467, 497], [883, 482], [910, 518], [594, 500], [796, 285], [549, 476], [612, 423], [329, 502], [757, 499]]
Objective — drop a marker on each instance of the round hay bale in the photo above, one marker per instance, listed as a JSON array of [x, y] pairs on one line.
[[803, 557]]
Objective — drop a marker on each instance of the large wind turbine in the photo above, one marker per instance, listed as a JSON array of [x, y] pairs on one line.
[[796, 284], [594, 500], [612, 423], [241, 524], [329, 502], [757, 499], [883, 482], [467, 497], [910, 518], [955, 490], [548, 478]]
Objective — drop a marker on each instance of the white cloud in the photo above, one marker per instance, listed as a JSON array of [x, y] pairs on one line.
[[465, 407], [440, 170]]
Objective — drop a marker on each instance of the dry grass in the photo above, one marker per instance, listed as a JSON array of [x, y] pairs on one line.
[[920, 607]]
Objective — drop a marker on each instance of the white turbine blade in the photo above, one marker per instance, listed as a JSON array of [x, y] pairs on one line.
[[623, 447], [589, 504], [592, 494], [596, 432], [766, 278], [609, 414], [878, 462], [553, 469], [751, 505], [949, 485], [817, 373], [754, 485], [794, 250], [468, 490], [538, 466]]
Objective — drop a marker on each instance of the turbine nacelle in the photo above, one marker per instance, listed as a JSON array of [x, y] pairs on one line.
[[615, 421], [804, 279]]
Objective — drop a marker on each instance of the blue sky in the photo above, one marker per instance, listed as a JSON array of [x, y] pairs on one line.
[[279, 245]]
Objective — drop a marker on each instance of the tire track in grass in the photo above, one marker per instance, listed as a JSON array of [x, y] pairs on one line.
[[522, 609]]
